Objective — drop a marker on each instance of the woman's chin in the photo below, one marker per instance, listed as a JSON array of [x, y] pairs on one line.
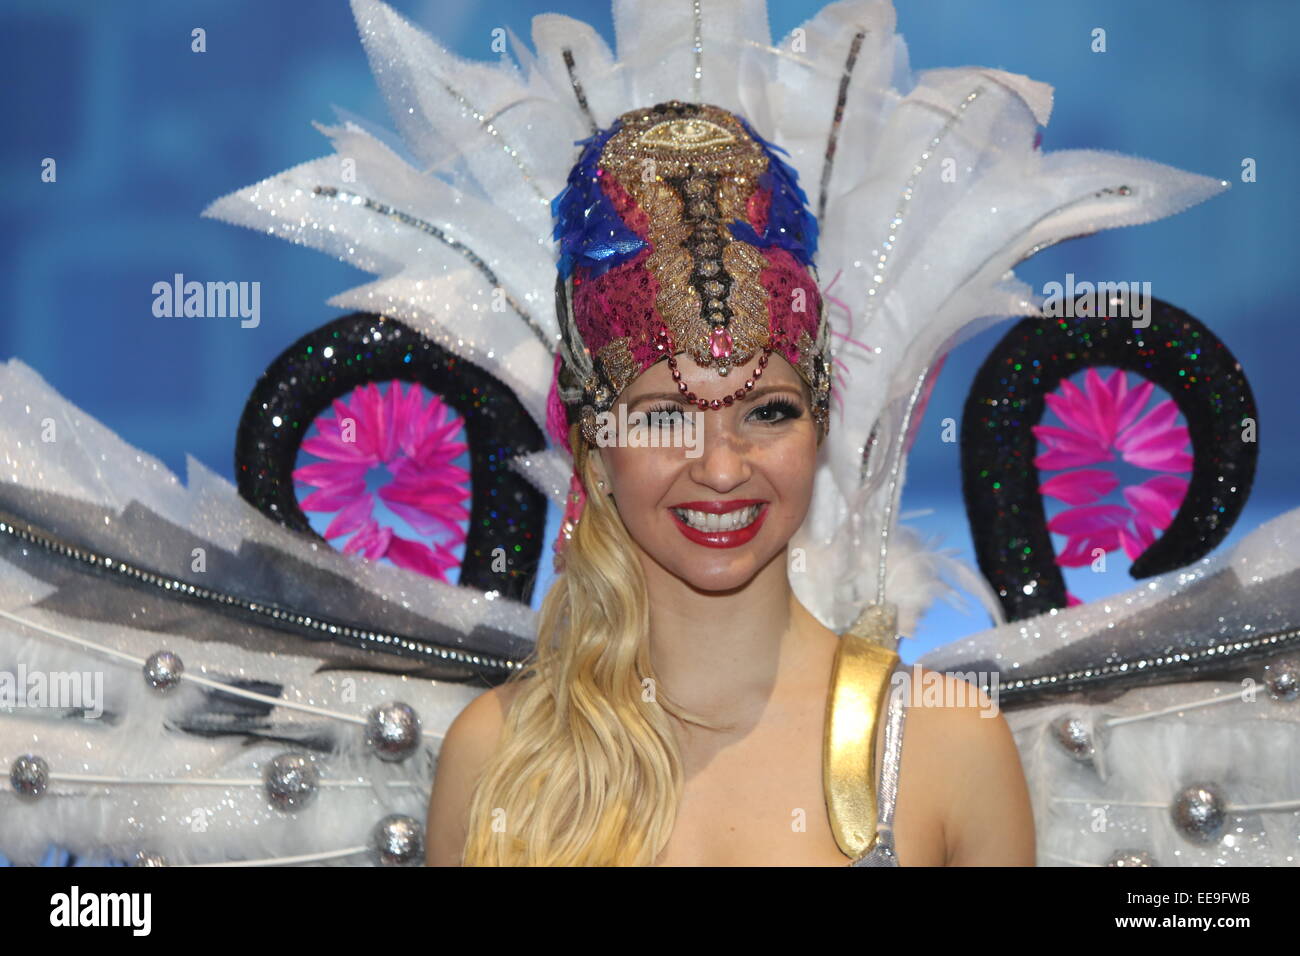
[[718, 573]]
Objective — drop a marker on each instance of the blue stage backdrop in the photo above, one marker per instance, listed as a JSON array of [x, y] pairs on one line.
[[145, 133]]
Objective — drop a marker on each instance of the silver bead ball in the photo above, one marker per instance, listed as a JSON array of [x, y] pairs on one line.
[[291, 781], [29, 775], [1282, 678], [1199, 813], [1130, 858], [1073, 734], [163, 670], [398, 840], [393, 731]]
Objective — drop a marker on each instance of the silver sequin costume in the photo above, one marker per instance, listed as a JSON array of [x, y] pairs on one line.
[[883, 851]]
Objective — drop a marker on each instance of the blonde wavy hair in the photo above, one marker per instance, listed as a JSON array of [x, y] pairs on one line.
[[587, 771]]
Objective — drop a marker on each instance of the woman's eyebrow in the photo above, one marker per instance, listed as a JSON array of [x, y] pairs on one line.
[[757, 392], [761, 390], [658, 396]]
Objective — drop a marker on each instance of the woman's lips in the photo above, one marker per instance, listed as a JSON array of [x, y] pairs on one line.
[[720, 539]]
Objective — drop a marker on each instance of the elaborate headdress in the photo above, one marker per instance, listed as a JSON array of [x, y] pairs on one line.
[[681, 229]]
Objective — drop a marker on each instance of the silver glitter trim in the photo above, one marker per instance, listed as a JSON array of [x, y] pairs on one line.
[[883, 852], [271, 615], [895, 224], [813, 65], [699, 48], [833, 138], [474, 259], [895, 464], [868, 468], [486, 123], [578, 92], [1145, 671], [882, 263], [893, 745], [1107, 191]]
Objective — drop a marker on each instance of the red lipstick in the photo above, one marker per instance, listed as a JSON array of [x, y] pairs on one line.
[[720, 539]]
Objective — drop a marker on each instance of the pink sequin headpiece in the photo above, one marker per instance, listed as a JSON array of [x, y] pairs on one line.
[[682, 230]]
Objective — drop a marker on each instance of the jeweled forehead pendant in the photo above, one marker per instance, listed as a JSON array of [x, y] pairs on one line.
[[682, 230]]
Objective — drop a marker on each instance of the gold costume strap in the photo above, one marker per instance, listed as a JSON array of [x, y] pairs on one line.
[[859, 691]]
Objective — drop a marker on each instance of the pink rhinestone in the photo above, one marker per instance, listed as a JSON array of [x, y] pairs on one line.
[[720, 343]]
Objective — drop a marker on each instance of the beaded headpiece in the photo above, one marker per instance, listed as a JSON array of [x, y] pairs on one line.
[[682, 230]]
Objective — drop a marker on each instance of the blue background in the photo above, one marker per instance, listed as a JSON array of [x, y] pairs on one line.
[[147, 133]]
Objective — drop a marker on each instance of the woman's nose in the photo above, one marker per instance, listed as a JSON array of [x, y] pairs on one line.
[[722, 463]]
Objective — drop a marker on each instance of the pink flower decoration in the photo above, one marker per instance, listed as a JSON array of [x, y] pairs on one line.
[[417, 442], [1098, 420]]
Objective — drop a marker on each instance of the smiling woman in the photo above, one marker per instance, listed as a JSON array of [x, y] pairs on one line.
[[752, 483], [682, 705]]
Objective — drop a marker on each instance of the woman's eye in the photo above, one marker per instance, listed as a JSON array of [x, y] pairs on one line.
[[667, 414], [778, 409]]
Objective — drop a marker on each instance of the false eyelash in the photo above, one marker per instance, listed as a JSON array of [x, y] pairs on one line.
[[783, 405], [666, 408]]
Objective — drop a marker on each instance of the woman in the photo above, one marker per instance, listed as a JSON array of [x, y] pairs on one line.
[[676, 709]]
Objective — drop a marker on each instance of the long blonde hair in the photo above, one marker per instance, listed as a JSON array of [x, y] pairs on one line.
[[587, 771]]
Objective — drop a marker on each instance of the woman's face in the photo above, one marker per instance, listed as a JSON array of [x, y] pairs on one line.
[[715, 508]]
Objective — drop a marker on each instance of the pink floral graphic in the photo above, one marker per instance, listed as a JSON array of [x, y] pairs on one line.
[[1099, 420], [417, 442]]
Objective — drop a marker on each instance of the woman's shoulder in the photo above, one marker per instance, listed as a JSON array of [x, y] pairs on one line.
[[959, 750], [931, 690], [948, 716], [483, 717], [466, 747]]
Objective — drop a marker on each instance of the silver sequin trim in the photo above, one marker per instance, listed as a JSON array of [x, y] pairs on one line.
[[895, 466], [882, 853], [578, 92], [896, 223], [473, 258], [699, 48], [832, 139], [272, 615], [1153, 670]]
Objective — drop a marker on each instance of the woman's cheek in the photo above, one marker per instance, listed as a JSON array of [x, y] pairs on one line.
[[644, 478]]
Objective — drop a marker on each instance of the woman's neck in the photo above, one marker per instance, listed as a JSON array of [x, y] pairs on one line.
[[725, 655]]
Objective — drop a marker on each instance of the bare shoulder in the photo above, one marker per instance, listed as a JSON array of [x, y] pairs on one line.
[[470, 740], [965, 754]]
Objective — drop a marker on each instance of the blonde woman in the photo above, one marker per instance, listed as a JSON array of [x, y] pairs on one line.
[[677, 708]]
